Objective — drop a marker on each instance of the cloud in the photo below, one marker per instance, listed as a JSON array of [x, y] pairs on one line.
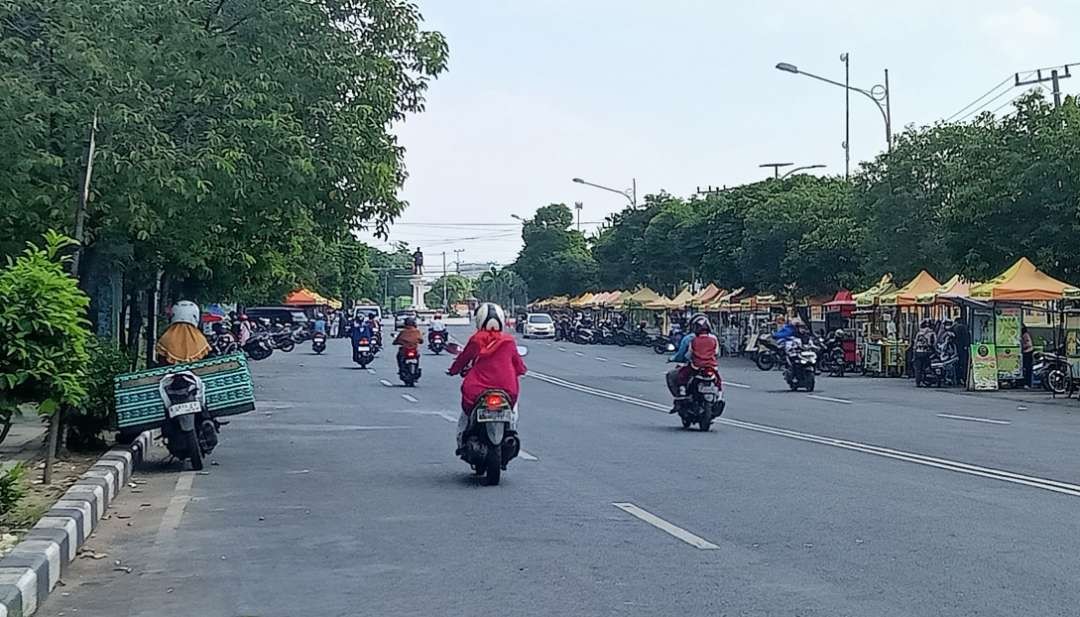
[[1020, 28]]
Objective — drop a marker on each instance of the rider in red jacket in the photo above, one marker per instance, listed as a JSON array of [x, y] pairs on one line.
[[491, 357]]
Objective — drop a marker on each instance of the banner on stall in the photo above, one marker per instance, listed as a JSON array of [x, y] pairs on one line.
[[984, 368], [1007, 323]]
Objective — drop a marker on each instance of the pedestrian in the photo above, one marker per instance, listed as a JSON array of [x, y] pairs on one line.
[[963, 349], [925, 343], [1027, 352]]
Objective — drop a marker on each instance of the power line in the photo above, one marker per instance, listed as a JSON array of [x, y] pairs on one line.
[[988, 102], [988, 93], [1015, 99]]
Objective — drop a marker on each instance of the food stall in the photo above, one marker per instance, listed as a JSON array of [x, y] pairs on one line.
[[1020, 289], [871, 331], [840, 315], [902, 308]]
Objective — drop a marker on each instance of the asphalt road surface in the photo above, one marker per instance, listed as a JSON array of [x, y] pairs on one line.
[[341, 496]]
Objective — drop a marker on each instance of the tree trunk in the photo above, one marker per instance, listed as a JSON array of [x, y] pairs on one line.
[[135, 327], [50, 448]]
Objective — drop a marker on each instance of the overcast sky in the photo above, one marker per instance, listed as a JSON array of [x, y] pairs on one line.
[[682, 94]]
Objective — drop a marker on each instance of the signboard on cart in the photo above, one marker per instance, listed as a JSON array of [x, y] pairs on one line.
[[984, 368], [1007, 324]]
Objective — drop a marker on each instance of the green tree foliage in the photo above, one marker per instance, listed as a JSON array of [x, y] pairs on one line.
[[551, 247], [458, 289], [43, 331], [502, 286], [233, 132]]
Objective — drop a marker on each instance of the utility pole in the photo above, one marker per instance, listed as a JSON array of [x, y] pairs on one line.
[[1054, 78], [578, 206], [846, 59], [457, 259], [444, 275], [776, 168]]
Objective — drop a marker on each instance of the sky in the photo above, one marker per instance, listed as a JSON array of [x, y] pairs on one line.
[[682, 94]]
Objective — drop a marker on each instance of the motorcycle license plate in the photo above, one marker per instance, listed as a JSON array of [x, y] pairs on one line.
[[363, 349], [412, 361], [184, 409], [492, 415]]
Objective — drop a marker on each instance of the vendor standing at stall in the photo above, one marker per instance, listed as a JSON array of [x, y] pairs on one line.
[[1027, 352]]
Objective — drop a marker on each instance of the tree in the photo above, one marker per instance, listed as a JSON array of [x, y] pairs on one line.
[[233, 133], [552, 247], [502, 286], [458, 289]]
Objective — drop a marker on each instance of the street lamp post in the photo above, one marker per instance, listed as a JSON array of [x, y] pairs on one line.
[[879, 94], [802, 168], [776, 168], [630, 194]]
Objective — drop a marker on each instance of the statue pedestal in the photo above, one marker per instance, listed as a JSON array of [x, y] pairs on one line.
[[419, 288]]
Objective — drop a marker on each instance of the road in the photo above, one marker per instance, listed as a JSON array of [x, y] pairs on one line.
[[341, 496]]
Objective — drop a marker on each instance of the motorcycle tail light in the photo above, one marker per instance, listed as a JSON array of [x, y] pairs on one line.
[[363, 341], [494, 401], [410, 353]]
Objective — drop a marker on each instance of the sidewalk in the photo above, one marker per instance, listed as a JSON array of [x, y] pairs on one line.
[[25, 440]]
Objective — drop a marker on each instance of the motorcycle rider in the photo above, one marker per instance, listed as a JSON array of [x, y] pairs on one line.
[[437, 326], [182, 341], [921, 350], [408, 337], [492, 362], [699, 349], [360, 328]]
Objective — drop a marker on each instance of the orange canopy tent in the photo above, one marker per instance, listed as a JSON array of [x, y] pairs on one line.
[[707, 295], [908, 294], [306, 297], [955, 287], [1022, 282]]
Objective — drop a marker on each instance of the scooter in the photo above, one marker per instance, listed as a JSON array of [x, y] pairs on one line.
[[800, 367], [318, 342], [364, 353], [410, 367], [436, 342], [189, 431], [490, 441], [704, 400]]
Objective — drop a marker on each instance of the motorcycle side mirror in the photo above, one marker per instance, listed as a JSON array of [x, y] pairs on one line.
[[523, 351], [453, 347]]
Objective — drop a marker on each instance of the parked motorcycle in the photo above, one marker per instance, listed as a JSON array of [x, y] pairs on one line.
[[282, 339], [833, 360], [769, 355], [364, 352], [583, 336], [704, 400], [800, 366], [189, 431], [409, 373], [223, 343], [1053, 371], [942, 369], [661, 345], [437, 342], [258, 346], [318, 342]]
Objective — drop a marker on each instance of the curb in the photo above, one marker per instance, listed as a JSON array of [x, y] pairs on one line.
[[32, 569]]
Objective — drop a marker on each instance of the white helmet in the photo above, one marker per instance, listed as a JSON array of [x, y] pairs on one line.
[[489, 316], [185, 311]]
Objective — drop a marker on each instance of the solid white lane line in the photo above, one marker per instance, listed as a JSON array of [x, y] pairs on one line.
[[601, 359], [734, 384], [409, 397], [628, 365], [662, 525], [386, 383], [525, 455], [828, 399], [1047, 484], [578, 353], [949, 416], [175, 510]]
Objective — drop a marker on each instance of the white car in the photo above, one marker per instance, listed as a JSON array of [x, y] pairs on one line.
[[539, 325]]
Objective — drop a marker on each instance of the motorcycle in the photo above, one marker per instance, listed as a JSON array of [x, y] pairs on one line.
[[189, 431], [800, 366], [833, 360], [942, 369], [639, 336], [318, 342], [364, 353], [437, 342], [410, 367], [563, 330], [490, 440], [769, 355], [258, 346], [282, 339], [223, 344], [583, 336], [704, 400], [661, 345], [1053, 371]]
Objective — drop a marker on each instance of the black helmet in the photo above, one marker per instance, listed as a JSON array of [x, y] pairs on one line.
[[410, 321]]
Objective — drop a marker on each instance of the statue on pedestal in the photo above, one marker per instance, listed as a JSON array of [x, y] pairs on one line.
[[417, 262]]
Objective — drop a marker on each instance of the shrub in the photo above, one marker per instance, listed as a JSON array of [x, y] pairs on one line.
[[43, 331], [12, 487], [86, 423]]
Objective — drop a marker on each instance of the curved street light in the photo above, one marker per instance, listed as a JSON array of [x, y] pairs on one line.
[[802, 168], [630, 194]]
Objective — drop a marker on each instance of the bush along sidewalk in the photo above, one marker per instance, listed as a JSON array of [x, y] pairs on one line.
[[32, 569]]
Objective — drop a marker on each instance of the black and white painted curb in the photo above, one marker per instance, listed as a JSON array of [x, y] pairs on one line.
[[31, 570]]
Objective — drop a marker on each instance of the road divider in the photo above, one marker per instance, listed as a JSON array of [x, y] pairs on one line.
[[1064, 488], [669, 528]]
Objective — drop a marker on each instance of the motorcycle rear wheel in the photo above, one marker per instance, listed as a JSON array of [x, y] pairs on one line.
[[493, 466], [705, 423], [287, 346], [194, 451], [809, 383], [765, 361]]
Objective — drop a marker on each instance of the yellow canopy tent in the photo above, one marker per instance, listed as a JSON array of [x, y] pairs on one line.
[[723, 302], [908, 294], [1022, 282], [681, 300], [582, 301], [707, 295], [955, 287], [869, 297], [640, 298]]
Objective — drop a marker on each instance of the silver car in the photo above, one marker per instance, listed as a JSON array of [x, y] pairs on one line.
[[539, 325]]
